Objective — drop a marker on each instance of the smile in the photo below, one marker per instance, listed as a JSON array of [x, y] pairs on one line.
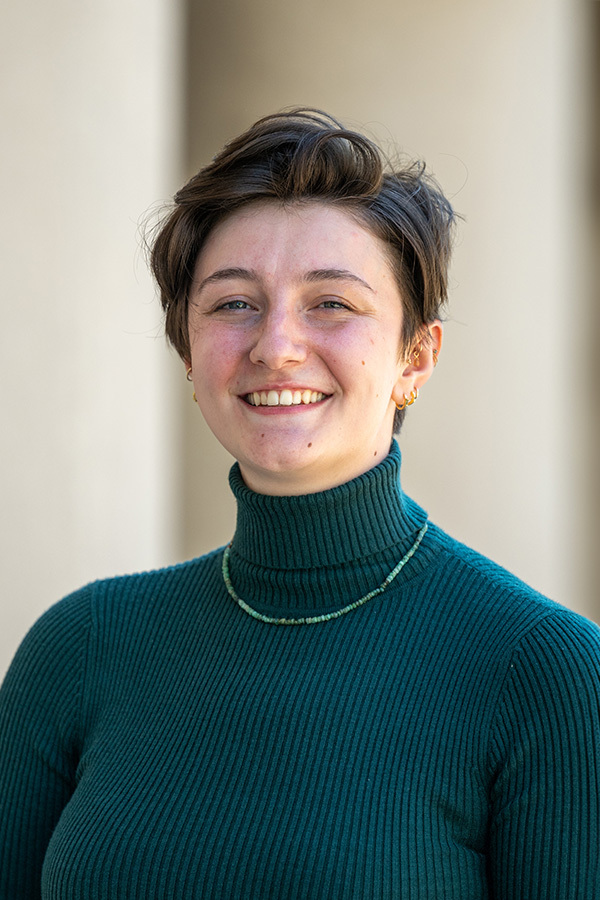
[[283, 398]]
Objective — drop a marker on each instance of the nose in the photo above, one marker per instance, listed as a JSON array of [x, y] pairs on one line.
[[279, 341]]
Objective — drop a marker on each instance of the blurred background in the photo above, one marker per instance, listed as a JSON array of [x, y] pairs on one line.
[[108, 106]]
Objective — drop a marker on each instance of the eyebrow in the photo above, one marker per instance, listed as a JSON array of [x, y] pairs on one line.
[[227, 274], [335, 275], [232, 272]]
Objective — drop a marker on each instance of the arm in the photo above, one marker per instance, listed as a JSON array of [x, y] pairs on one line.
[[39, 742], [545, 824]]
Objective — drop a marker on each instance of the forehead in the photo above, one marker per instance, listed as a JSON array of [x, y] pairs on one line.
[[294, 237]]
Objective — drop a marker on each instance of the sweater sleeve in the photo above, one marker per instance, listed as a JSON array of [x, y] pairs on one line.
[[39, 741], [545, 824]]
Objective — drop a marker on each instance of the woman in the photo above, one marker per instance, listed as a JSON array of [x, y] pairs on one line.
[[345, 703]]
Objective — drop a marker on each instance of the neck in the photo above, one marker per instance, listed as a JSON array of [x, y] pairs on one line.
[[305, 552]]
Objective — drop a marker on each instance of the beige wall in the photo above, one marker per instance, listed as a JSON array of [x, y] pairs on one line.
[[592, 342], [106, 466], [493, 96], [89, 111]]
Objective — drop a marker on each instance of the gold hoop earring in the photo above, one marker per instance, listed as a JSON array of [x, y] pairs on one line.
[[414, 395], [188, 375], [401, 406]]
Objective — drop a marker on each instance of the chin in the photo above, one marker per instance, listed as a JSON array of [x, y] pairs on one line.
[[286, 461], [283, 471]]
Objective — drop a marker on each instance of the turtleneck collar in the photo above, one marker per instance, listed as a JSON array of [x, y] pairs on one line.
[[320, 551]]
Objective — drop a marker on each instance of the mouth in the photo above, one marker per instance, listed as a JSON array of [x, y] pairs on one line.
[[284, 398]]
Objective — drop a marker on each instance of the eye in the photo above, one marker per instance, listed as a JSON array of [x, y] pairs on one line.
[[333, 303], [234, 304]]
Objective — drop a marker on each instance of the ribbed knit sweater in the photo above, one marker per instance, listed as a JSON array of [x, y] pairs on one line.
[[439, 742]]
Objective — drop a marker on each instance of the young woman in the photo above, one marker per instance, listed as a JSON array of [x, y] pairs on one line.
[[345, 702]]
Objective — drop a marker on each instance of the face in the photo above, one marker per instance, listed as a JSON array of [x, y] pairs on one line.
[[295, 327]]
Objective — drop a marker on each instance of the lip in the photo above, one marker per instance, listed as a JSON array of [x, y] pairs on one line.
[[303, 409]]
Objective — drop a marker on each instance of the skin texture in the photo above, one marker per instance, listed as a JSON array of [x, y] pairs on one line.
[[300, 297]]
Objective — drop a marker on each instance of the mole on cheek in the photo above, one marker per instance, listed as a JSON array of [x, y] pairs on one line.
[[262, 435], [362, 361], [310, 445]]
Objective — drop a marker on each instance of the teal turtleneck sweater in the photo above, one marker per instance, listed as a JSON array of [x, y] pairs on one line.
[[439, 742]]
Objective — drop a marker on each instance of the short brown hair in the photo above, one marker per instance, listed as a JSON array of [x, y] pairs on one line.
[[303, 155]]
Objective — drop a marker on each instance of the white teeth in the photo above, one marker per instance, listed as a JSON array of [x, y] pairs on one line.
[[284, 398]]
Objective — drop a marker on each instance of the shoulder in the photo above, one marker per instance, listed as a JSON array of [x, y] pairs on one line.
[[47, 673], [57, 635], [62, 632], [500, 626], [548, 707], [147, 606], [483, 587], [148, 590], [541, 659]]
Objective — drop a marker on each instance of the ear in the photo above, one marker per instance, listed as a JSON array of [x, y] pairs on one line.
[[417, 367]]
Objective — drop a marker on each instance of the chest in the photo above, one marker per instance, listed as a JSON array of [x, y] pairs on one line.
[[345, 769]]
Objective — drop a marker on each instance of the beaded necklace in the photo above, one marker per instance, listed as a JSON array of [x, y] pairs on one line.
[[325, 617]]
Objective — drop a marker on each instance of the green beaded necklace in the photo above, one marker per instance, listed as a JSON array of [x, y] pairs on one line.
[[325, 617]]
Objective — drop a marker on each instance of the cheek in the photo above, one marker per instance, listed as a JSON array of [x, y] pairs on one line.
[[363, 363], [215, 356]]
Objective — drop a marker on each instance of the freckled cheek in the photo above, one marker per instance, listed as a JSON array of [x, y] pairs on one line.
[[217, 353]]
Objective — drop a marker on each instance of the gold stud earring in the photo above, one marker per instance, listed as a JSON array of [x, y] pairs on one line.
[[417, 354]]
